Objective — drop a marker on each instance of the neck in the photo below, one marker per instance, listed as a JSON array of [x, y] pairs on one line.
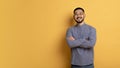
[[81, 23]]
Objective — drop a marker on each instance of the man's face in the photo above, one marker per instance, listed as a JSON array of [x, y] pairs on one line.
[[79, 16]]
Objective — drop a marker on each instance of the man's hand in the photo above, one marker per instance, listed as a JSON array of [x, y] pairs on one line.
[[71, 38]]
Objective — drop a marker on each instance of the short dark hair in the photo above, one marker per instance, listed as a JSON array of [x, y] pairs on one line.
[[78, 8]]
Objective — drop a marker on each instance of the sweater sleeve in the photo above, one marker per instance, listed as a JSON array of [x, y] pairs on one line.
[[73, 43], [90, 41]]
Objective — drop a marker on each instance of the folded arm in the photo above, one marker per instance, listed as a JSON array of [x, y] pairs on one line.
[[84, 43], [90, 41]]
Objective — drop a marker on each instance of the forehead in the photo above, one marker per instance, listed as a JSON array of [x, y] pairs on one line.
[[78, 11]]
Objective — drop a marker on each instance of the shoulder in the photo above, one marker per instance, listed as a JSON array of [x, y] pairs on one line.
[[91, 27], [71, 28]]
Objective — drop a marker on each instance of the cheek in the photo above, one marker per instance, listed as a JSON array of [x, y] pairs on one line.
[[75, 17], [83, 16]]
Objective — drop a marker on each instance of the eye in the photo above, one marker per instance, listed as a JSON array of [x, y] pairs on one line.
[[81, 13]]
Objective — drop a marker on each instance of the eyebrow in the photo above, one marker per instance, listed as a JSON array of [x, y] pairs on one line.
[[80, 13]]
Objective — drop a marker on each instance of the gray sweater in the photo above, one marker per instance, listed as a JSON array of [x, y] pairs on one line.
[[82, 48]]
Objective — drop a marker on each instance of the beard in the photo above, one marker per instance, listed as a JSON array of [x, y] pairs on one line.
[[79, 20]]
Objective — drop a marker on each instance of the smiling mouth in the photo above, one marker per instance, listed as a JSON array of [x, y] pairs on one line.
[[79, 18]]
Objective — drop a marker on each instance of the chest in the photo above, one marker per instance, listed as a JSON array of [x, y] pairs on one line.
[[83, 32]]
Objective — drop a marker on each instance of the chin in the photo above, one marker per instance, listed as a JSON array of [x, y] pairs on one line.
[[79, 22]]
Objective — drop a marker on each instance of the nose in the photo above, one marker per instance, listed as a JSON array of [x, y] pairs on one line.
[[79, 15]]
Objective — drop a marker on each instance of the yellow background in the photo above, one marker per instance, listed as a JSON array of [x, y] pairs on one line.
[[32, 32]]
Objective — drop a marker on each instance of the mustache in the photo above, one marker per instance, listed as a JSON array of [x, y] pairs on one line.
[[79, 17]]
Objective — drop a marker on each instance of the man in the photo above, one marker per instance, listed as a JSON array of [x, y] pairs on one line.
[[81, 39]]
